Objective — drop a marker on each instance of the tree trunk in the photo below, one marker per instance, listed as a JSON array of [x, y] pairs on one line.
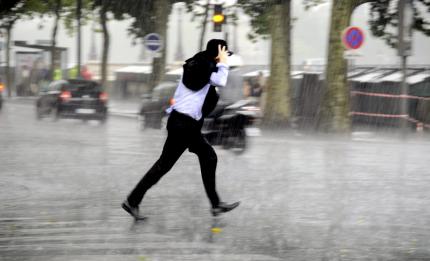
[[54, 39], [203, 32], [8, 78], [106, 41], [78, 19], [278, 104], [161, 11], [334, 111]]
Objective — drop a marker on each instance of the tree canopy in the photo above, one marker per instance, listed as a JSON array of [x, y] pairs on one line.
[[258, 10], [384, 19]]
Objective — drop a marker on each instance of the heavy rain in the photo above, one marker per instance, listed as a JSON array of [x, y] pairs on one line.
[[319, 133]]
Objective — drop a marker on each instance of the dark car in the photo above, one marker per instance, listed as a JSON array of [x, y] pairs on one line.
[[153, 109], [76, 99]]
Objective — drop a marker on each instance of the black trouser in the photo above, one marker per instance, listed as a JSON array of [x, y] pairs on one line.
[[183, 132]]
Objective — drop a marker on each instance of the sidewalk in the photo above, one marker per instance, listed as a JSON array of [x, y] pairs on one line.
[[126, 108]]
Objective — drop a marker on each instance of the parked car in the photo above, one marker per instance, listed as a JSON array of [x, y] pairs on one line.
[[152, 113], [76, 99]]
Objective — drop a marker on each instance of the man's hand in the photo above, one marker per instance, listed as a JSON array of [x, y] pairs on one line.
[[222, 54]]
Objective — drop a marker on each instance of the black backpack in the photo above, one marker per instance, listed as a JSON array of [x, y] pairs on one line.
[[197, 73]]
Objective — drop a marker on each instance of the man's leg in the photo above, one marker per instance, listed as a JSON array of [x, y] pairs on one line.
[[208, 162], [173, 148]]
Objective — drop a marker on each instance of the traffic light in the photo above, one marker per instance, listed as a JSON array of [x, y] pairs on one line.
[[218, 18]]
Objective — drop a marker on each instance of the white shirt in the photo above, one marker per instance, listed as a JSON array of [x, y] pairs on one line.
[[190, 102]]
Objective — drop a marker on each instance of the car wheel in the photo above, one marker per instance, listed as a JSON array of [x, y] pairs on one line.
[[55, 115], [103, 119], [141, 121], [39, 113]]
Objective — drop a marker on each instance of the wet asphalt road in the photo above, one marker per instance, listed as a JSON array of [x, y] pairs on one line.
[[364, 197]]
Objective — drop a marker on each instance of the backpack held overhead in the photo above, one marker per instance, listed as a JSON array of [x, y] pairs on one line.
[[197, 73]]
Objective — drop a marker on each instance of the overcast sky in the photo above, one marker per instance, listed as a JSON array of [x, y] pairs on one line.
[[309, 39]]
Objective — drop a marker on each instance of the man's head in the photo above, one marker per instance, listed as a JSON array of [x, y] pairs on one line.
[[212, 47]]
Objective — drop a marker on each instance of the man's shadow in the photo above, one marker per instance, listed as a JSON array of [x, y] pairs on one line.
[[137, 224]]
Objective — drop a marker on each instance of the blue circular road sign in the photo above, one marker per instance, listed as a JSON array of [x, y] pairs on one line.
[[353, 37], [153, 42]]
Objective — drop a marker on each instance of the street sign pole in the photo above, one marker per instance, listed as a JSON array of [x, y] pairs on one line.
[[1, 48], [404, 102], [404, 50], [154, 43]]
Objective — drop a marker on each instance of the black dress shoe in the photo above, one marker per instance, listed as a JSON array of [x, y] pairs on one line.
[[133, 211], [224, 207]]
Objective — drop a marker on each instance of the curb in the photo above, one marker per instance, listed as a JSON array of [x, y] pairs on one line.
[[123, 114], [111, 112]]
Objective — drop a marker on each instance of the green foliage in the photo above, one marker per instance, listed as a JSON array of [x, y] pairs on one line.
[[27, 9], [259, 11], [198, 11], [116, 8], [312, 3], [16, 10], [384, 19], [69, 14], [142, 12], [7, 6]]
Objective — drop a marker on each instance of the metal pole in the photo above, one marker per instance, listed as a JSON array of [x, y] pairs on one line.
[[235, 35], [7, 72], [405, 13], [78, 17], [66, 74], [179, 56], [1, 57], [404, 101]]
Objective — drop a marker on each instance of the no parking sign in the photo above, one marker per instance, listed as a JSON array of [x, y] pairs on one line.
[[353, 37]]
